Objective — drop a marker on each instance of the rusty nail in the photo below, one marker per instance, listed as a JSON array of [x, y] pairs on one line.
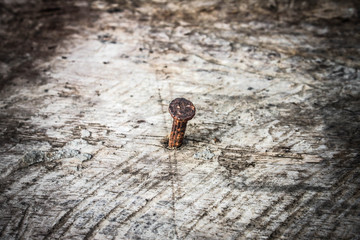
[[181, 111]]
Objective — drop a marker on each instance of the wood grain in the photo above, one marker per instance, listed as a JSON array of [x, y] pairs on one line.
[[272, 153]]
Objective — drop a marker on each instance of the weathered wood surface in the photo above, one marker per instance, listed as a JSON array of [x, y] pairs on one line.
[[273, 151]]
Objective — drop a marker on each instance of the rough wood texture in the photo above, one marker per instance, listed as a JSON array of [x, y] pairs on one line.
[[273, 151]]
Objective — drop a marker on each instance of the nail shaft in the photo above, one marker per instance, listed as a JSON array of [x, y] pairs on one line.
[[177, 134]]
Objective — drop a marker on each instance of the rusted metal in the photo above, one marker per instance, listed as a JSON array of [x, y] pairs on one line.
[[182, 111]]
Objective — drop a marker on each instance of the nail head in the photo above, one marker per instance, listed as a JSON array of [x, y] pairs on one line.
[[182, 109]]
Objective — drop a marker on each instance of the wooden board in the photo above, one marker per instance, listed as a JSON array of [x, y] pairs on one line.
[[272, 153]]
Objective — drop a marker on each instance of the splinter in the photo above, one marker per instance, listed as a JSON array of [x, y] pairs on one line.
[[182, 111]]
